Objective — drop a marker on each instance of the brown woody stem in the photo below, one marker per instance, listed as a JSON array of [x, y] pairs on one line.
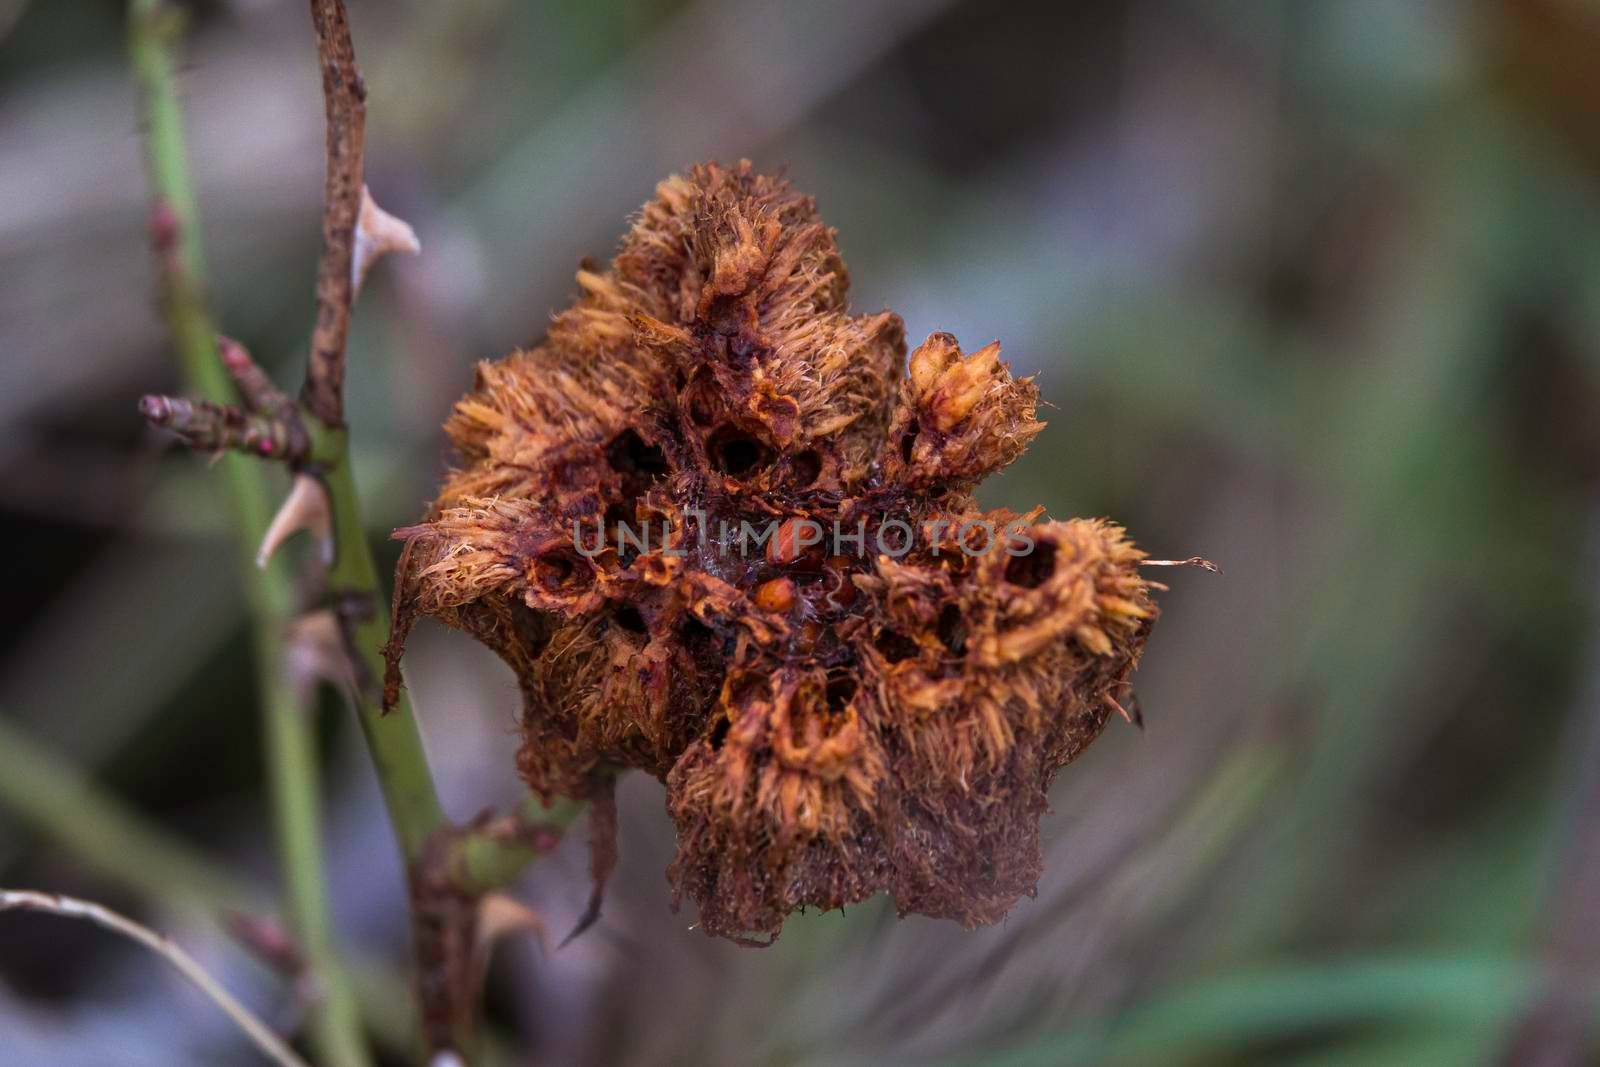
[[260, 395], [459, 867], [345, 96]]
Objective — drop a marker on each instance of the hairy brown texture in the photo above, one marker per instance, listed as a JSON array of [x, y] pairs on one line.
[[829, 724]]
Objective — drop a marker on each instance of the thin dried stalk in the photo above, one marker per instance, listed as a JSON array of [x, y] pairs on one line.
[[259, 1032]]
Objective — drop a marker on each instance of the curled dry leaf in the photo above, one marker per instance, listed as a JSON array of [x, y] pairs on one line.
[[850, 679]]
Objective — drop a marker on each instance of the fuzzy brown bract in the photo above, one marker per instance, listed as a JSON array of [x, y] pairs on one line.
[[880, 708]]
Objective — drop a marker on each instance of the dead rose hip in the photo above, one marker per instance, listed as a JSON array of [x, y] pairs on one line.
[[829, 723]]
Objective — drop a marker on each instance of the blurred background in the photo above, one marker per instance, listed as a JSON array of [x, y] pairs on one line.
[[1312, 290]]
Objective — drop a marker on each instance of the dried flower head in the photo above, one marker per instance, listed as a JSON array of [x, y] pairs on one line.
[[874, 695]]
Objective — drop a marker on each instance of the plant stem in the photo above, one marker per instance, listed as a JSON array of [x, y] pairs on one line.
[[483, 862], [393, 739], [56, 799], [291, 751], [259, 1032], [291, 746], [344, 96], [321, 450]]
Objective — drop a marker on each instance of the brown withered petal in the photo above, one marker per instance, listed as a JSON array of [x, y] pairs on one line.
[[829, 722]]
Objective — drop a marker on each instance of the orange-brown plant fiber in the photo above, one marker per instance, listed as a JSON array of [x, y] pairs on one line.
[[831, 718]]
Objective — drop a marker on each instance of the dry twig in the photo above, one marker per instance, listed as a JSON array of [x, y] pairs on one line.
[[73, 908], [345, 96]]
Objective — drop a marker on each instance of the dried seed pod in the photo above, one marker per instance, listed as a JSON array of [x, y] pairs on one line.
[[960, 418], [850, 680]]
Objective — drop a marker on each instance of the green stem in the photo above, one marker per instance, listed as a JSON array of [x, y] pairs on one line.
[[393, 738], [483, 862], [291, 751], [291, 746]]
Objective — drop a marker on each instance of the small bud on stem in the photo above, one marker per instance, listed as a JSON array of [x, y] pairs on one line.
[[208, 427]]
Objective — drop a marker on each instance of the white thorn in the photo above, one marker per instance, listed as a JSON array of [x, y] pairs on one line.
[[501, 915], [305, 508], [377, 234], [314, 652]]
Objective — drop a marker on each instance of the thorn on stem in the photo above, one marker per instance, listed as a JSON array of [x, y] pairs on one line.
[[307, 507], [315, 652], [501, 915], [377, 234]]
